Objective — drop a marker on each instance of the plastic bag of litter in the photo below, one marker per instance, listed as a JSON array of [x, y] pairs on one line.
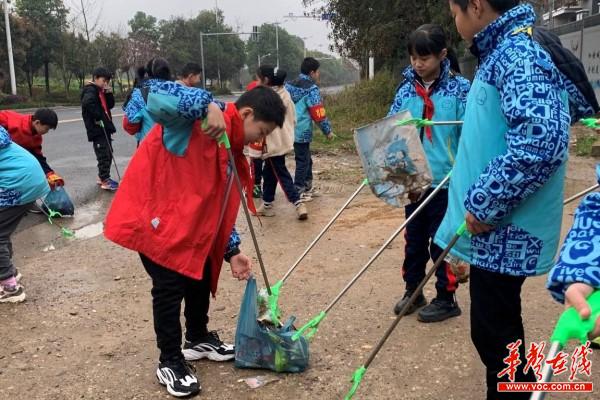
[[393, 159], [58, 200], [266, 346]]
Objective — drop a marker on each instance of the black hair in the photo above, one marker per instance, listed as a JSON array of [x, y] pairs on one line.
[[102, 72], [191, 69], [309, 65], [453, 58], [500, 6], [158, 68], [46, 116], [279, 78], [426, 40], [266, 104], [266, 71]]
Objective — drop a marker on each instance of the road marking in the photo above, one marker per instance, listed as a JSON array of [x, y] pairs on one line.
[[66, 121]]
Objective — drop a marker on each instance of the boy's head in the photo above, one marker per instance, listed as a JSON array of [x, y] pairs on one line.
[[472, 16], [279, 78], [101, 77], [191, 74], [158, 68], [262, 111], [310, 67], [43, 120]]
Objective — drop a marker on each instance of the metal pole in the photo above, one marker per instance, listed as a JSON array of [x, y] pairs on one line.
[[202, 58], [258, 60], [581, 194], [277, 41], [11, 63], [551, 22], [547, 370]]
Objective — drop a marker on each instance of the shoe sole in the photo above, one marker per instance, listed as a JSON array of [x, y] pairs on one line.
[[457, 312], [194, 355], [412, 309], [303, 217], [108, 189], [172, 391], [15, 299], [259, 214]]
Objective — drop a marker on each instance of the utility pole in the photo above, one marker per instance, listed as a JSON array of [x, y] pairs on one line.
[[11, 62], [202, 58], [551, 24], [277, 41]]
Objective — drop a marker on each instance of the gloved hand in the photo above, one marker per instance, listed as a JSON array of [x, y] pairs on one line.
[[54, 180]]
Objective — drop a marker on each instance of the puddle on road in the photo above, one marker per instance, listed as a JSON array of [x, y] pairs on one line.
[[90, 231]]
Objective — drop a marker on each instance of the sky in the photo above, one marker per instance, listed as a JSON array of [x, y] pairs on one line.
[[240, 14]]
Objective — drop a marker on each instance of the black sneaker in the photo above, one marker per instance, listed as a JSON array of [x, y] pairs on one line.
[[439, 310], [210, 347], [178, 376], [419, 302]]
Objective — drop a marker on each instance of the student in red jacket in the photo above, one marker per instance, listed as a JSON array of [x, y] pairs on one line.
[[27, 131], [168, 209]]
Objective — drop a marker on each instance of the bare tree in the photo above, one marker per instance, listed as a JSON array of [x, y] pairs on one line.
[[86, 16]]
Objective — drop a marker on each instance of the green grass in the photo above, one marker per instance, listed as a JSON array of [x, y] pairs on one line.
[[584, 144], [356, 106]]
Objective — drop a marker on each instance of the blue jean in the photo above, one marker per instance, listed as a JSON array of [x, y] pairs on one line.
[[275, 171], [304, 177]]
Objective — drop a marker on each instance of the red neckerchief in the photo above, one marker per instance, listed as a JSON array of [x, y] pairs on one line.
[[429, 107]]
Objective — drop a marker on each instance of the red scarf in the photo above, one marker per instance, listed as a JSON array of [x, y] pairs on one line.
[[429, 108]]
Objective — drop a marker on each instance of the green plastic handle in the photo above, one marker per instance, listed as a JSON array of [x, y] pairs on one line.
[[418, 122], [357, 378], [311, 326], [224, 139], [272, 302], [462, 229], [590, 123], [570, 326], [366, 181], [67, 233]]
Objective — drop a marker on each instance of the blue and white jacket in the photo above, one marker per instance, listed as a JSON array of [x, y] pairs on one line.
[[579, 259], [512, 156], [309, 107], [449, 98], [22, 179]]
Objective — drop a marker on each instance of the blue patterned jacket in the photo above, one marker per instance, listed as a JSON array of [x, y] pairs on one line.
[[511, 160], [22, 179], [309, 107], [449, 98], [579, 259]]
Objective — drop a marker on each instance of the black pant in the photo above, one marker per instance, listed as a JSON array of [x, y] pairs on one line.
[[103, 150], [304, 177], [276, 171], [495, 323], [420, 247], [9, 220], [257, 168], [169, 288]]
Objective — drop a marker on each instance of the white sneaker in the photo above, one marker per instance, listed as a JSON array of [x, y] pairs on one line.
[[305, 197], [15, 294], [301, 211], [265, 210]]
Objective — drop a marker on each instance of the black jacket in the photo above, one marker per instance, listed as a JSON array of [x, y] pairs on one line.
[[92, 112]]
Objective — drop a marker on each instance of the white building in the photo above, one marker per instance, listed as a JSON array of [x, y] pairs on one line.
[[560, 12]]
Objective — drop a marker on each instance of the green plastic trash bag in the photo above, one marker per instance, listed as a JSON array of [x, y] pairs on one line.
[[265, 346]]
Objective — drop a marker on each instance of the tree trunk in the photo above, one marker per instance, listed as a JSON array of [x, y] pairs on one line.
[[29, 76], [47, 76], [128, 80]]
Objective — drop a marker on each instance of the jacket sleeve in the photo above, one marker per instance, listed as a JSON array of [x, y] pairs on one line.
[[91, 104], [579, 260], [537, 138], [233, 245], [461, 100], [317, 110], [42, 160], [4, 119], [5, 140]]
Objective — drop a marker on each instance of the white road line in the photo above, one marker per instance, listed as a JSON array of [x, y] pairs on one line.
[[66, 121]]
